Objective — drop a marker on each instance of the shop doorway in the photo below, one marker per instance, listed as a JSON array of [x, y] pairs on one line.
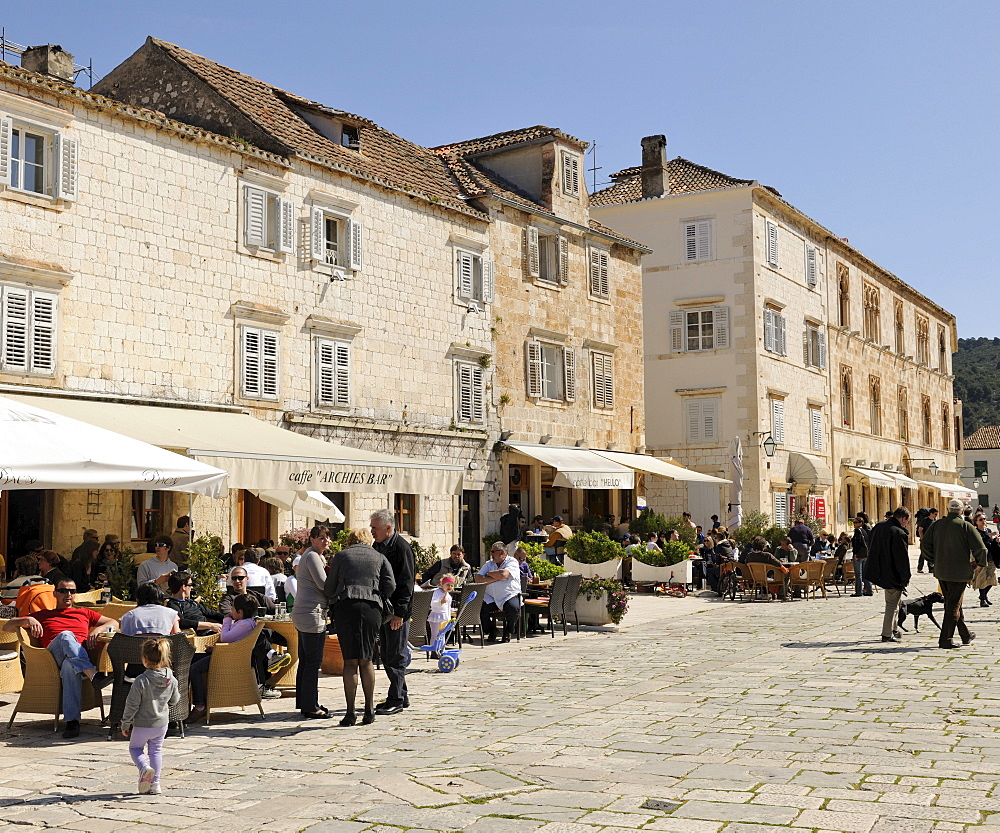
[[597, 502], [254, 518], [22, 517], [471, 538]]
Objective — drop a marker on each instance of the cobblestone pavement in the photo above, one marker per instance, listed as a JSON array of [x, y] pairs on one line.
[[742, 718]]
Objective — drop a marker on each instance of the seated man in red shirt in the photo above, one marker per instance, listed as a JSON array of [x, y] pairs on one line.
[[67, 632]]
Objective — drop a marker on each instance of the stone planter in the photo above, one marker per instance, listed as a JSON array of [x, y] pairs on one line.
[[593, 611], [607, 569], [661, 575]]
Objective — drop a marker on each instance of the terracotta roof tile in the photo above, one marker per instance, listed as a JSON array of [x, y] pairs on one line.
[[988, 436], [384, 158], [472, 147], [685, 177]]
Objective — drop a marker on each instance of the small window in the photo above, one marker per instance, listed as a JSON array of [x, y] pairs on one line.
[[847, 397], [778, 420], [571, 173], [702, 418], [405, 510], [699, 329], [942, 351], [333, 373], [875, 405], [698, 240], [38, 161], [980, 467], [903, 416], [816, 429], [259, 363], [771, 229], [925, 419], [471, 396], [814, 346], [843, 295], [147, 515], [547, 256], [923, 341], [603, 377], [812, 268], [28, 331], [945, 427], [551, 371], [473, 277], [780, 508], [599, 285], [898, 328], [873, 314], [774, 332], [336, 239], [268, 221]]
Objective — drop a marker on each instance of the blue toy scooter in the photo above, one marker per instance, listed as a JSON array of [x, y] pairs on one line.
[[447, 657]]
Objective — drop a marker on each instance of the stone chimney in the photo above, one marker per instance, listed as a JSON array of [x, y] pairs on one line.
[[49, 60], [655, 182]]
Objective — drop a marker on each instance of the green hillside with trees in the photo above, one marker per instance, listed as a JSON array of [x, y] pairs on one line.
[[977, 381]]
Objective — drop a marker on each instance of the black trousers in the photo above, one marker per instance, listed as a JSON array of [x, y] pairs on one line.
[[511, 610], [307, 676], [953, 619]]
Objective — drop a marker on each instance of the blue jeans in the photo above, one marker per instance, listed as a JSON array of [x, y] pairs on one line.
[[395, 648], [72, 659], [859, 577]]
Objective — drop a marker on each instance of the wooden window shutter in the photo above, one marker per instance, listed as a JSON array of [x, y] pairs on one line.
[[355, 238], [603, 381], [14, 355], [533, 351], [569, 373], [317, 235], [694, 421], [251, 362], [478, 396], [326, 377], [43, 332], [6, 136], [487, 267], [781, 509], [268, 364], [698, 240], [254, 217], [772, 242], [778, 420], [464, 392], [595, 272], [721, 319], [816, 428], [343, 373], [677, 331], [286, 226], [806, 348], [770, 342], [710, 421], [821, 338], [531, 246], [464, 268], [67, 165], [691, 241], [605, 283], [779, 334], [563, 260], [571, 174], [812, 269]]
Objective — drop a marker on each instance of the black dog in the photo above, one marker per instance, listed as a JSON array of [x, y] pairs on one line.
[[920, 607]]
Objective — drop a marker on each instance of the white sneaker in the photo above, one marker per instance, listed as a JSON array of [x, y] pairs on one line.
[[269, 693], [154, 788], [145, 779]]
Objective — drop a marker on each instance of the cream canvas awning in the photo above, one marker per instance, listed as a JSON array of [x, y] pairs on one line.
[[809, 469], [579, 468], [902, 480], [875, 477], [258, 455], [661, 468], [952, 490]]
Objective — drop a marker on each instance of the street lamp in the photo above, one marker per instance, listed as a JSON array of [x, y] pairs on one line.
[[768, 443], [933, 468]]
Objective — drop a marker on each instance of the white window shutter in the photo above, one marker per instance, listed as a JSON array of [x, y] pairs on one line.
[[806, 351], [286, 226], [6, 131], [779, 334], [254, 217], [478, 396], [770, 342], [317, 235], [487, 267], [464, 392], [677, 331], [721, 319], [781, 509], [534, 368], [14, 355], [822, 348], [605, 285], [43, 332], [563, 260], [778, 420], [710, 421], [531, 245], [603, 381], [342, 373], [698, 240], [251, 362], [772, 242], [691, 241], [595, 272], [356, 238], [812, 270], [67, 164], [571, 174], [569, 371], [464, 267], [694, 421], [268, 364], [816, 428], [326, 376]]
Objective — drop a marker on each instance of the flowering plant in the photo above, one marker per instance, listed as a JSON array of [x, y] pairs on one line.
[[614, 593], [296, 538]]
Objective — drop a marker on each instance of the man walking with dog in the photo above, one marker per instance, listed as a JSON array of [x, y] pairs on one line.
[[888, 566], [955, 549]]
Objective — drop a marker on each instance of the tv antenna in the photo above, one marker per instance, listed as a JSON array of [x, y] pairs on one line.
[[595, 168]]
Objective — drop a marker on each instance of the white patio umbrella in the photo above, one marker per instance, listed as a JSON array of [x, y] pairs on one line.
[[43, 450], [309, 503], [736, 490]]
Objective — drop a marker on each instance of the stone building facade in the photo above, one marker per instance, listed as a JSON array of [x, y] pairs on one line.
[[757, 317]]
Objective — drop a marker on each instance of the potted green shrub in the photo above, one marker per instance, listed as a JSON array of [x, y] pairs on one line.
[[660, 566], [593, 554], [602, 601]]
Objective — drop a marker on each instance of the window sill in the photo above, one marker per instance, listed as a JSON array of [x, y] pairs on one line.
[[332, 271], [541, 283], [266, 254], [599, 299], [249, 402], [336, 410], [560, 404], [30, 198]]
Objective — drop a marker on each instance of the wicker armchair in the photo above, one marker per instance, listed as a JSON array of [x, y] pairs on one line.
[[88, 599], [200, 644], [231, 679], [11, 678], [765, 577], [468, 614], [42, 689], [553, 605], [808, 577], [124, 650], [115, 610], [419, 610], [569, 601]]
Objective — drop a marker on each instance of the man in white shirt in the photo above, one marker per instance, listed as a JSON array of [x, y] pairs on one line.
[[159, 567], [257, 576], [502, 593]]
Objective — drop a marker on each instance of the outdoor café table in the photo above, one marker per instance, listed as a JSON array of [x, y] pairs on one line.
[[285, 678]]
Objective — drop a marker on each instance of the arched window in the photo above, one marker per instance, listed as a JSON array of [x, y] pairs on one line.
[[945, 428], [846, 397], [903, 415], [898, 327], [872, 314], [925, 420], [844, 293], [875, 398]]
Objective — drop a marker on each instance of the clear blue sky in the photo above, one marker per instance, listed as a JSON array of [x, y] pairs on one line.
[[877, 118]]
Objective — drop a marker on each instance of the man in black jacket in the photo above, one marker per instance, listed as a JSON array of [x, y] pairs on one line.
[[888, 566], [395, 632]]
